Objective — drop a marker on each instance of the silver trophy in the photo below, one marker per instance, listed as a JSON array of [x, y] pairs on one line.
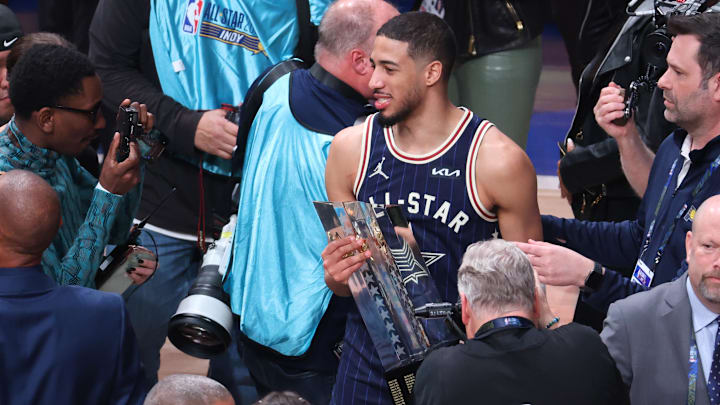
[[390, 289]]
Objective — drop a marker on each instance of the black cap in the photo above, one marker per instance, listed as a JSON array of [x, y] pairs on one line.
[[10, 30]]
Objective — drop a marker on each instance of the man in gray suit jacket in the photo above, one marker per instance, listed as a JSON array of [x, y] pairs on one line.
[[663, 341]]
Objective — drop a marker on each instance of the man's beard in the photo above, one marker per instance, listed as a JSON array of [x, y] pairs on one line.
[[406, 108], [710, 294], [395, 118], [684, 113]]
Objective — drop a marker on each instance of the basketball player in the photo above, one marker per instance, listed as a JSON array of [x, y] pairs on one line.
[[458, 177]]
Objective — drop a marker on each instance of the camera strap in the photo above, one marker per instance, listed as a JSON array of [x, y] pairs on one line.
[[252, 103], [308, 33]]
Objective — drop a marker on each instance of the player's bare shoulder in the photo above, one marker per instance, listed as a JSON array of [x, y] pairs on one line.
[[347, 141], [500, 158], [506, 177], [345, 148], [343, 160]]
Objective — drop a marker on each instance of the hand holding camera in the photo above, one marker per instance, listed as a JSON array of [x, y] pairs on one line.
[[215, 134], [232, 113], [610, 112], [121, 169]]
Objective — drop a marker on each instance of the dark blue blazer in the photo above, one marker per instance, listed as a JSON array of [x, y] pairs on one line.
[[64, 345], [617, 245]]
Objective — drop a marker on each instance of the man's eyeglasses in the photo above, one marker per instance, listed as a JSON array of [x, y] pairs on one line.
[[92, 114]]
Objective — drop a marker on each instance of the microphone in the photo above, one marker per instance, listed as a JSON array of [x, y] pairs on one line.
[[437, 310]]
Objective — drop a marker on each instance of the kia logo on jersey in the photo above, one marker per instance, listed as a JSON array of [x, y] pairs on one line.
[[192, 16], [444, 172]]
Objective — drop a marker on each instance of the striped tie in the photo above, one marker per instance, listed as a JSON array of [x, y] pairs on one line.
[[713, 385]]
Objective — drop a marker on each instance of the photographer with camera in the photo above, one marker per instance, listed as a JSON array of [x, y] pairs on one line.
[[590, 173], [635, 144], [56, 95], [185, 58], [511, 334], [682, 176]]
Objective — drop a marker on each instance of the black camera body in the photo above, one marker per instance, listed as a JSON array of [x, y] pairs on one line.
[[232, 113], [655, 50], [151, 144], [129, 127], [647, 83]]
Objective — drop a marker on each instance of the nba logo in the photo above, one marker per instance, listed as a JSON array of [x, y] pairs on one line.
[[192, 16]]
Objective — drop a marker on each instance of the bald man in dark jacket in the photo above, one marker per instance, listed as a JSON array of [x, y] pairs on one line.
[[58, 345]]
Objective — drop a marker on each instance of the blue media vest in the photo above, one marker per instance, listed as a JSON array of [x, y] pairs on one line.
[[276, 282], [439, 196], [617, 245]]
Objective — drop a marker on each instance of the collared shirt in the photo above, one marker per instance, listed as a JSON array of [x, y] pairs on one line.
[[705, 329], [685, 154]]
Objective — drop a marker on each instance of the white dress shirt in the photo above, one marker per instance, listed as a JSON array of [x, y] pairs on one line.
[[705, 329]]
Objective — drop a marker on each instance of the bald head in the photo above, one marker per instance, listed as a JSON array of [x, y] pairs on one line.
[[349, 24], [345, 39], [30, 212], [188, 389], [707, 214], [702, 246]]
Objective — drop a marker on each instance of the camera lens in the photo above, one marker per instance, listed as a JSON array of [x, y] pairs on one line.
[[201, 325], [656, 49], [661, 49], [199, 335]]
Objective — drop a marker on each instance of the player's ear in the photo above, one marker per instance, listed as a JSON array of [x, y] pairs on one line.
[[433, 72]]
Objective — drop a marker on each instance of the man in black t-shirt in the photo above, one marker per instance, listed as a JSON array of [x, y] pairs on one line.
[[513, 356]]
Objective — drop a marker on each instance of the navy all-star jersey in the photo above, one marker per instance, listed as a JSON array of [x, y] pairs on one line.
[[440, 200]]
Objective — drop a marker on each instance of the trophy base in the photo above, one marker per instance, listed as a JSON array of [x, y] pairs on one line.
[[401, 382]]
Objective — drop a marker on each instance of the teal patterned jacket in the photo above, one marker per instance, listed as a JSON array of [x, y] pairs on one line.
[[91, 217]]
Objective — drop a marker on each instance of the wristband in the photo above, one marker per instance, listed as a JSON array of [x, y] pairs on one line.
[[594, 279]]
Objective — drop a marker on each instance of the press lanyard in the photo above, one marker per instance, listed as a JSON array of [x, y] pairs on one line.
[[693, 373], [496, 325], [666, 238]]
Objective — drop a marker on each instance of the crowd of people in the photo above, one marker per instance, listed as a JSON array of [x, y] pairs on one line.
[[388, 106]]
